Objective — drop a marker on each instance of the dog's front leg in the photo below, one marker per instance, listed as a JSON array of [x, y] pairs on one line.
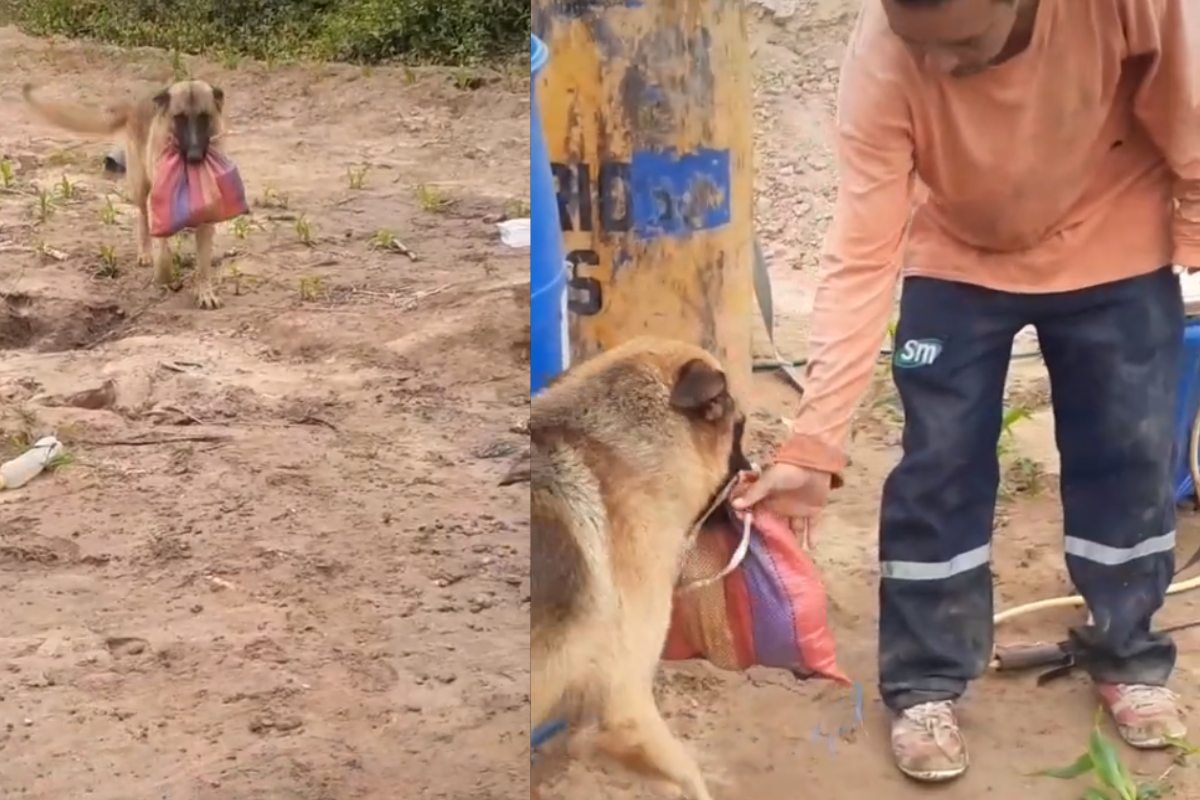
[[145, 244], [206, 292], [634, 734], [164, 264]]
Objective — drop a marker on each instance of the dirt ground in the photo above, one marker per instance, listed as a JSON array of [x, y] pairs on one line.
[[322, 596], [276, 565]]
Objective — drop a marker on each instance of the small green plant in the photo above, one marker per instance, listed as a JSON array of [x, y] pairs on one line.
[[66, 189], [45, 251], [270, 198], [241, 227], [234, 274], [431, 199], [1012, 417], [242, 283], [383, 239], [356, 177], [8, 174], [64, 459], [179, 70], [466, 79], [1111, 778], [516, 76], [517, 209], [108, 267], [43, 208], [181, 264], [1183, 750], [410, 75], [304, 231], [108, 212], [311, 289], [21, 438], [1023, 476]]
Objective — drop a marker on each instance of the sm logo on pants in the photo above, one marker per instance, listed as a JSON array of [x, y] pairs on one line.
[[917, 353]]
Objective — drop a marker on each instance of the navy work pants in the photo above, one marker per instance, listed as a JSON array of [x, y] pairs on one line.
[[1114, 356]]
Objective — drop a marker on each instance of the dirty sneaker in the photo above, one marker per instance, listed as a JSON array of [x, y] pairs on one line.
[[927, 744], [1147, 717]]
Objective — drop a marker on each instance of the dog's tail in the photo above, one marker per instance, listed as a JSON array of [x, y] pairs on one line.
[[79, 118]]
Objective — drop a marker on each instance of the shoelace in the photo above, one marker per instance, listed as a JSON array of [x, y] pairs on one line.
[[936, 718]]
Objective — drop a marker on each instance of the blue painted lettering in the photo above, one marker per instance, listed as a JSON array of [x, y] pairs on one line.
[[677, 195]]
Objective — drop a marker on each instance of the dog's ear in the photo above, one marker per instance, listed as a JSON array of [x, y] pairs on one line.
[[218, 98], [701, 388], [162, 100], [518, 471]]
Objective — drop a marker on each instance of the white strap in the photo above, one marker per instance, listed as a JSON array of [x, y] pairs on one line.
[[739, 555]]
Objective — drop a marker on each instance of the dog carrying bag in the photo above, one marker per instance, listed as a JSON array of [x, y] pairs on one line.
[[749, 595], [187, 195]]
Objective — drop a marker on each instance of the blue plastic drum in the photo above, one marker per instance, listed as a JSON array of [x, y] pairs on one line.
[[549, 348]]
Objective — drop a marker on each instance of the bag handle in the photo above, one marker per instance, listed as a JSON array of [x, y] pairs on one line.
[[739, 555]]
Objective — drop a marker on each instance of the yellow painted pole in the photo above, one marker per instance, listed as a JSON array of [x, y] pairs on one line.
[[647, 110]]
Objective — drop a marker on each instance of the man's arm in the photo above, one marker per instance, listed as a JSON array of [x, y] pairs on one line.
[[861, 262], [1168, 104]]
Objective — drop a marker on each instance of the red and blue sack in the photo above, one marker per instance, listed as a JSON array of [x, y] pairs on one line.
[[188, 195], [749, 595]]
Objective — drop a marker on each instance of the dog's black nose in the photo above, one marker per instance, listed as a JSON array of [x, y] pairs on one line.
[[194, 156]]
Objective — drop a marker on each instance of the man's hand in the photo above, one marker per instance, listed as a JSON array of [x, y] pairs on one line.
[[794, 493]]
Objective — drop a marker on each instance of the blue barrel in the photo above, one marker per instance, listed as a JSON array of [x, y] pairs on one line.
[[1189, 412], [549, 350]]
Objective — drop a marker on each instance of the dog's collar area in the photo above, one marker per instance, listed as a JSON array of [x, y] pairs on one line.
[[721, 498]]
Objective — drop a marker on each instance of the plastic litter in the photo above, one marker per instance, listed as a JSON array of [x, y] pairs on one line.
[[1189, 287], [516, 232], [27, 466]]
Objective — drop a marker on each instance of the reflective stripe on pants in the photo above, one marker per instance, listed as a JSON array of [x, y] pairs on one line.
[[1114, 356]]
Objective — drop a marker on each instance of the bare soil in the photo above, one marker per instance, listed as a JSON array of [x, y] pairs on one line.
[[277, 565], [323, 596]]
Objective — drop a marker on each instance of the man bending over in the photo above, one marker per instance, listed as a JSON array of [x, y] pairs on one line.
[[1058, 146]]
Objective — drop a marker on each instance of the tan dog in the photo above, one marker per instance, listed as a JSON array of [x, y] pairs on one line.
[[628, 452], [189, 114]]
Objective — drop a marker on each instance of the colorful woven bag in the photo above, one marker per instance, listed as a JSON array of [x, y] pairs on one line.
[[750, 596], [186, 195]]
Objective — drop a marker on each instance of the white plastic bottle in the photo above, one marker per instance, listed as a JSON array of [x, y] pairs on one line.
[[27, 466]]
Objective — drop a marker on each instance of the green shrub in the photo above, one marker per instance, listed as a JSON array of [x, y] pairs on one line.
[[360, 31], [457, 31]]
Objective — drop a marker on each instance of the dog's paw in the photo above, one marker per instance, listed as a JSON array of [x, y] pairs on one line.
[[145, 259], [206, 298]]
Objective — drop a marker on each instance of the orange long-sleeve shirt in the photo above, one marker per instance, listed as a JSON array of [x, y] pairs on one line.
[[1074, 164]]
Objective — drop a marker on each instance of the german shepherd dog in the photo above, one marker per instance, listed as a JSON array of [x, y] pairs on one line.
[[628, 453], [188, 114]]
